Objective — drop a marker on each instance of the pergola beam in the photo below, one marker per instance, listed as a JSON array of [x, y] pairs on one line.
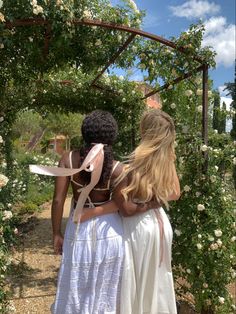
[[114, 57], [110, 25], [175, 81]]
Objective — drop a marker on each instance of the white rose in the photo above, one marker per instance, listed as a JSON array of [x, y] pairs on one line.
[[234, 161], [175, 144], [133, 6], [199, 109], [199, 246], [3, 180], [16, 231], [200, 207], [210, 238], [124, 99], [98, 42], [209, 93], [213, 178], [221, 300], [199, 236], [173, 105], [37, 9], [120, 91], [188, 92], [216, 168], [187, 188], [219, 242], [204, 148], [216, 131], [2, 18], [188, 271], [199, 92], [214, 246], [1, 119], [119, 38], [7, 214], [1, 4], [198, 194], [1, 139], [218, 233], [2, 46], [205, 285], [177, 232], [233, 239], [87, 14]]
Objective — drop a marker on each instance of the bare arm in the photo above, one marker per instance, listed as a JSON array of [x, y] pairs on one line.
[[106, 208], [176, 194], [60, 192]]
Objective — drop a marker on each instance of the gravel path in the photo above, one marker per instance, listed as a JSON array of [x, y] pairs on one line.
[[34, 275]]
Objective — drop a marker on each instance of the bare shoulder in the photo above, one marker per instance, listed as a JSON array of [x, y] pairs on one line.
[[64, 161]]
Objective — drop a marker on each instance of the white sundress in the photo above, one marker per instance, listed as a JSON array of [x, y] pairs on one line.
[[147, 282], [91, 267]]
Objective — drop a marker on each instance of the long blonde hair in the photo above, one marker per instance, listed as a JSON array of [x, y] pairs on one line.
[[150, 169]]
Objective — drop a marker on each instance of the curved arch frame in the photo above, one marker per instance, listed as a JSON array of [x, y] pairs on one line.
[[134, 32]]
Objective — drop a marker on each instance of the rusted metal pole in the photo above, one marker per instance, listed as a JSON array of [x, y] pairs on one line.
[[205, 112], [175, 81], [114, 57]]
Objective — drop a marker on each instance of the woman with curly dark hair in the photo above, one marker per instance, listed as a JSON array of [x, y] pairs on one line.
[[92, 251]]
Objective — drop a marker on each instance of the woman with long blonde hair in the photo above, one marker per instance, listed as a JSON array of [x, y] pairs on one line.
[[148, 180]]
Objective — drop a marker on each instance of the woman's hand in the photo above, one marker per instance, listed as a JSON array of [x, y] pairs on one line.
[[58, 243]]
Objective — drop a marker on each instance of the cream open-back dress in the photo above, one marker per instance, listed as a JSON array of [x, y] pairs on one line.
[[147, 281]]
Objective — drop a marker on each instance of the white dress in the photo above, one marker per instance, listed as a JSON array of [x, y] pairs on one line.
[[91, 267], [147, 282]]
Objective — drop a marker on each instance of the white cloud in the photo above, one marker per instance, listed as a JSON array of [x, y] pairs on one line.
[[220, 36], [195, 9]]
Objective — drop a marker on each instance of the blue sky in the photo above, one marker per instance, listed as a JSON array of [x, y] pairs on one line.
[[170, 17]]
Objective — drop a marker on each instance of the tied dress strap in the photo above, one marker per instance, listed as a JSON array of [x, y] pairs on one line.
[[161, 230], [93, 163]]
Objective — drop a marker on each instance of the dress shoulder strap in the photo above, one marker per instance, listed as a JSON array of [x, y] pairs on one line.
[[112, 171], [70, 159]]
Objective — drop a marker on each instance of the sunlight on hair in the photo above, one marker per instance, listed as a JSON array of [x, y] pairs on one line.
[[151, 168]]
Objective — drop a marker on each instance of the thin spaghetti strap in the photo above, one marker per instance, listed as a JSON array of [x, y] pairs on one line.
[[70, 159], [113, 169]]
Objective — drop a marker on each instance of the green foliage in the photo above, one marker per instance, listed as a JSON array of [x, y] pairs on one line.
[[204, 251], [58, 79]]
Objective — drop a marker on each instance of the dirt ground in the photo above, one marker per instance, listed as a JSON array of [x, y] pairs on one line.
[[34, 274]]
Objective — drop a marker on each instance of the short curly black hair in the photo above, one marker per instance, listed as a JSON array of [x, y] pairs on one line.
[[99, 127]]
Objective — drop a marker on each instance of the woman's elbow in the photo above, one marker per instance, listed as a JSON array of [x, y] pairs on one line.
[[174, 196]]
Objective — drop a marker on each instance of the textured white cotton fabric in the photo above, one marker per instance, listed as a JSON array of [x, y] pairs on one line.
[[91, 267], [147, 288]]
